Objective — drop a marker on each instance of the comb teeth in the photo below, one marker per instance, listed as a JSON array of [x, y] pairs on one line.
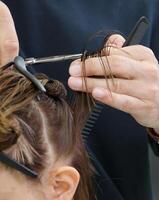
[[134, 38], [93, 117]]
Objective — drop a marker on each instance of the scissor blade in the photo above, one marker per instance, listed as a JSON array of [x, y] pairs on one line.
[[134, 38], [32, 61]]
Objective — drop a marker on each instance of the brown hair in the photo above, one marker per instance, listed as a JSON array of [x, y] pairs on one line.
[[25, 114]]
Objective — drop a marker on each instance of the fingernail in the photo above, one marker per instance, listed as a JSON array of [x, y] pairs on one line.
[[111, 45], [75, 83], [99, 93], [75, 69]]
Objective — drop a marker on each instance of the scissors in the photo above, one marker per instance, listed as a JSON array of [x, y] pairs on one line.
[[59, 58], [21, 64], [134, 37]]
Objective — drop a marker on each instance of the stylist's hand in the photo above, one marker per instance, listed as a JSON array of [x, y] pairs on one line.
[[136, 86], [9, 46]]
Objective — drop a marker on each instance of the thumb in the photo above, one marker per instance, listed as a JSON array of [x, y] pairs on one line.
[[116, 40], [9, 46]]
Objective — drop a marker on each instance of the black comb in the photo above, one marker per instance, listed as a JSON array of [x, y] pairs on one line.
[[20, 65], [134, 37], [22, 168]]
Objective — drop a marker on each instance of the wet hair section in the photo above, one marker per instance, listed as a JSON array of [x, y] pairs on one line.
[[35, 125]]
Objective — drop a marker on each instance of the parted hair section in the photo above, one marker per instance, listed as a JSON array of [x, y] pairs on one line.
[[32, 124]]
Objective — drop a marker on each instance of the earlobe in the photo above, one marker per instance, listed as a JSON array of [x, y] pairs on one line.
[[64, 182]]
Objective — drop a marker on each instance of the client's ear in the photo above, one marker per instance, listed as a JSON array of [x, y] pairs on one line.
[[64, 182]]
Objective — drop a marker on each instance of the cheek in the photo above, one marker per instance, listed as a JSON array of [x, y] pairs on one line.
[[10, 190], [27, 193], [6, 194], [23, 193], [20, 195]]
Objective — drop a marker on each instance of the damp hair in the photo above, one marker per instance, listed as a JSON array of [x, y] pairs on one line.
[[24, 115], [102, 52], [23, 110]]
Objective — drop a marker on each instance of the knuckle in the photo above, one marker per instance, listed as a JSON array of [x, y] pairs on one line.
[[125, 105], [145, 49], [154, 92], [117, 86], [148, 53], [90, 66], [116, 60], [96, 66], [152, 71]]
